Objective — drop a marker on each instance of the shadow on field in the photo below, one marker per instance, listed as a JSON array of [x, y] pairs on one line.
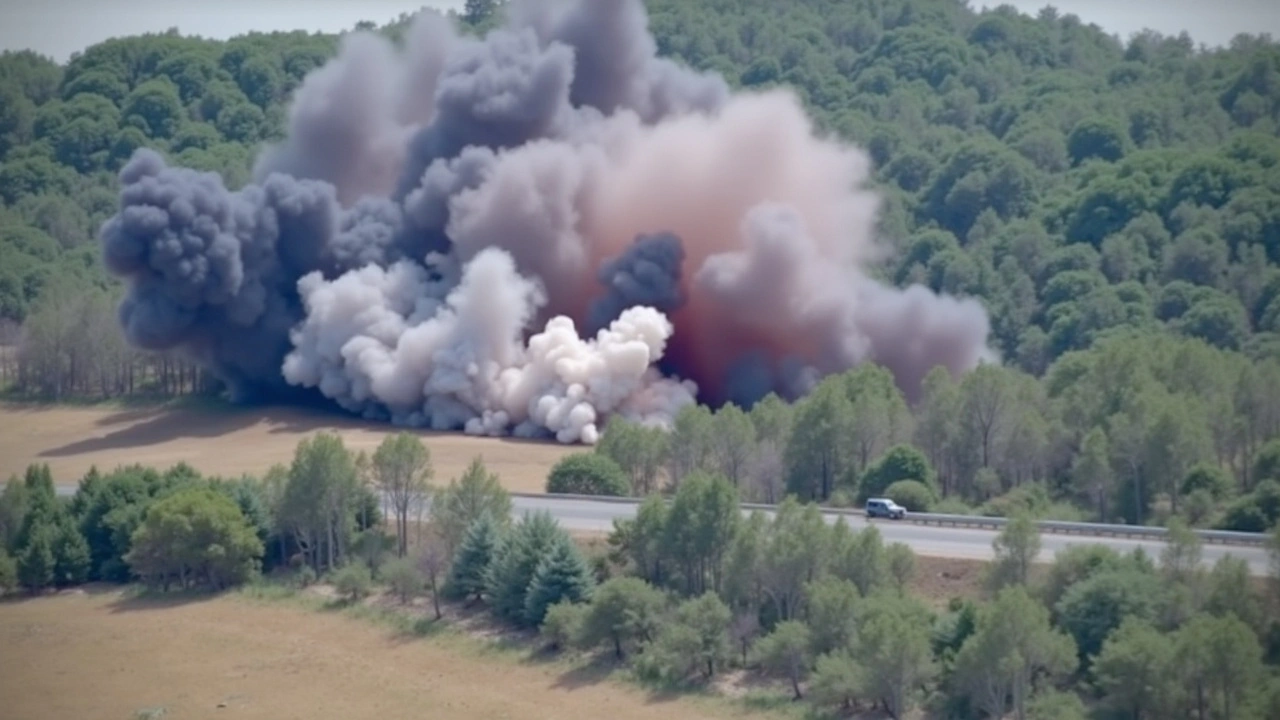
[[144, 600], [162, 428]]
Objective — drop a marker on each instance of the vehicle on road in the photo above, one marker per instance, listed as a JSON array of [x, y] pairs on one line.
[[886, 508]]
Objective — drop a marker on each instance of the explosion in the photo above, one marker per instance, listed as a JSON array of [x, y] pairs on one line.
[[524, 234]]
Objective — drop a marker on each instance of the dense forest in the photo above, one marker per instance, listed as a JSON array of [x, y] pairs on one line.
[[1115, 203], [688, 595]]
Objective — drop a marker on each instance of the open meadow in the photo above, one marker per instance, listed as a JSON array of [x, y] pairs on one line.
[[98, 653], [230, 441]]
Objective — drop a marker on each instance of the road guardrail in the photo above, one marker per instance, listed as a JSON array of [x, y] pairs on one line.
[[984, 522]]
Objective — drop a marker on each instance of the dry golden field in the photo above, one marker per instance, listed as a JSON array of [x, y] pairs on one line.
[[99, 654], [232, 441]]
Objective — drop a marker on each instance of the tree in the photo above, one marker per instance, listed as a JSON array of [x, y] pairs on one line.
[[1094, 607], [433, 565], [902, 462], [1217, 667], [36, 568], [696, 638], [561, 575], [196, 536], [402, 469], [476, 12], [624, 612], [587, 473], [318, 502], [901, 562], [1016, 548], [893, 650], [8, 572], [785, 652], [515, 561], [1091, 471], [70, 553], [698, 530], [838, 680], [1012, 645], [457, 506], [832, 612], [470, 568], [640, 450], [1133, 670]]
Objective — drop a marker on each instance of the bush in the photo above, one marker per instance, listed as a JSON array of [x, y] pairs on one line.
[[305, 576], [562, 625], [1214, 480], [353, 582], [404, 579], [1032, 498], [1255, 512], [901, 462], [588, 474], [913, 495]]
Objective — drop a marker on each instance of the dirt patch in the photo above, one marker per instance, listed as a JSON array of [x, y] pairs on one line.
[[937, 580], [99, 654], [233, 441]]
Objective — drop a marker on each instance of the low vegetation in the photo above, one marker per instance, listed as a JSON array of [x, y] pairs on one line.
[[690, 595]]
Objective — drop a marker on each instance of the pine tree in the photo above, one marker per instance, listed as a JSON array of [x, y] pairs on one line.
[[513, 567], [71, 555], [36, 565], [562, 574], [470, 568]]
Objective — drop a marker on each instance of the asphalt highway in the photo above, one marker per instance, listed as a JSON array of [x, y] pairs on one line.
[[965, 543], [970, 543]]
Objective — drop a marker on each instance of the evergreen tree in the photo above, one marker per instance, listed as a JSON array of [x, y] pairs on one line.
[[8, 572], [513, 566], [36, 565], [467, 576], [71, 555], [562, 574]]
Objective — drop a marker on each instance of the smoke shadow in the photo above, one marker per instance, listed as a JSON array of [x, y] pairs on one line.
[[166, 425]]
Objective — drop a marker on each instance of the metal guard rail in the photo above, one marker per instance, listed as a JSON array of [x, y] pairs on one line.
[[1061, 527]]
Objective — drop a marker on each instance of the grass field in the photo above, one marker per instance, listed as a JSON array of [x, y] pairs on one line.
[[231, 441], [101, 654]]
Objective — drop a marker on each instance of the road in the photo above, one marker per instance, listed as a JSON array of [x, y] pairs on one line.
[[970, 543], [966, 543]]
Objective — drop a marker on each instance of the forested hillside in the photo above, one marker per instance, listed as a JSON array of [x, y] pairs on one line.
[[1115, 205]]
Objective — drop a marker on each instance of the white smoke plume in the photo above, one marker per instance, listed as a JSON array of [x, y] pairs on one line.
[[527, 233]]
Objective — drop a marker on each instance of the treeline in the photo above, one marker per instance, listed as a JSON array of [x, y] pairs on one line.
[[71, 347], [690, 589], [1136, 429]]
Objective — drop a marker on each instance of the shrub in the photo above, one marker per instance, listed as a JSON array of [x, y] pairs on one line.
[[901, 462], [404, 579], [562, 625], [353, 582], [588, 474], [913, 495], [1209, 478]]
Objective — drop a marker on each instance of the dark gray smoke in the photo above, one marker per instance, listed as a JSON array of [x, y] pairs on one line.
[[213, 271], [648, 273], [524, 234]]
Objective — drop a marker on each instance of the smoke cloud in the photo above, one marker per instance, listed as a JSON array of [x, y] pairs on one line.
[[525, 234]]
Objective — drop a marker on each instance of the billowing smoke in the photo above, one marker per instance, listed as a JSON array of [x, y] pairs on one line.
[[525, 234]]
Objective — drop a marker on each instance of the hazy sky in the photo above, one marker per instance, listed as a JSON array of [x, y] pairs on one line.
[[60, 27]]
